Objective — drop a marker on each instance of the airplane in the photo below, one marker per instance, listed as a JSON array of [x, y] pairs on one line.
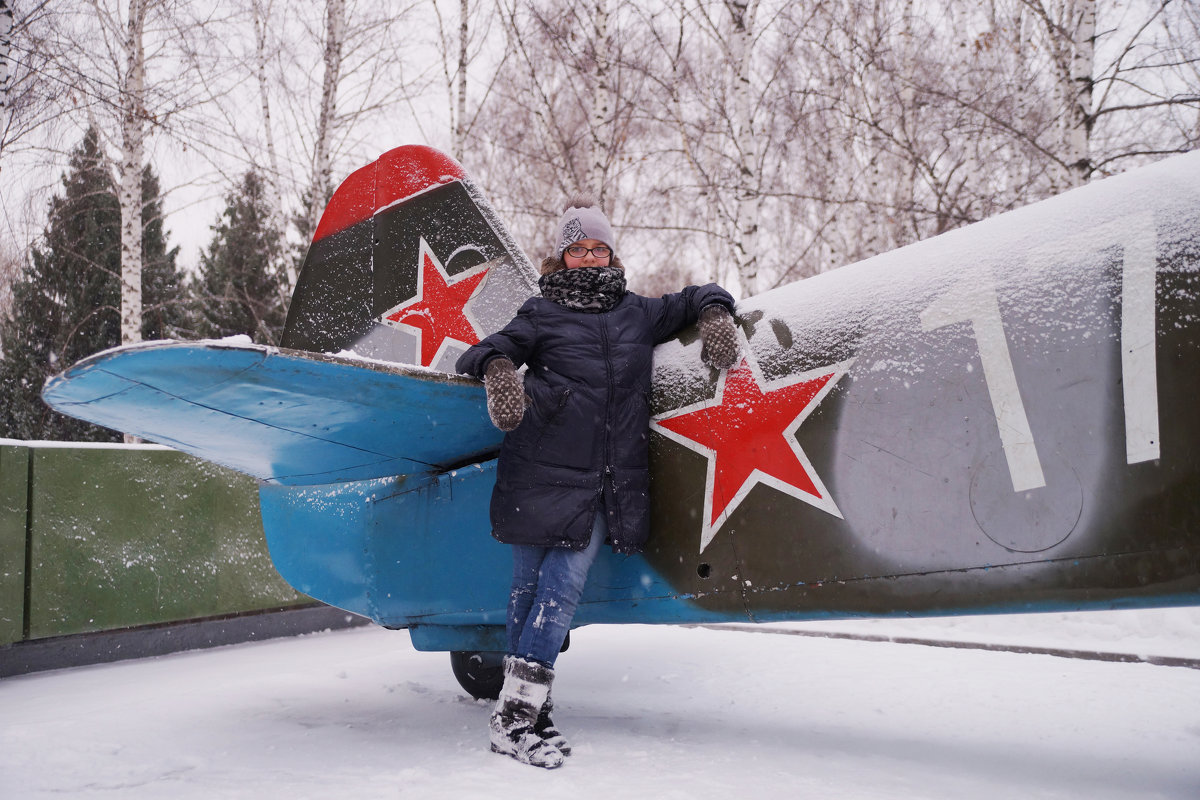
[[1001, 418]]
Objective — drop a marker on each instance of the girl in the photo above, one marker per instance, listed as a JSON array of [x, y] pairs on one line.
[[572, 472]]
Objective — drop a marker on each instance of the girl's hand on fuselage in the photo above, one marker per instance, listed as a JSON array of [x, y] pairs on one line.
[[720, 347]]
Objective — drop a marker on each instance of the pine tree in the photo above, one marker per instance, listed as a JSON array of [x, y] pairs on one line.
[[67, 305], [240, 289]]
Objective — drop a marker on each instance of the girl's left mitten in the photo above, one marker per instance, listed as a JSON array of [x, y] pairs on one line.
[[505, 394], [718, 334]]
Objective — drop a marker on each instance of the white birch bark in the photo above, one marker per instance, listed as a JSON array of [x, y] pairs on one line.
[[130, 189], [460, 112], [335, 25], [903, 200], [749, 199], [1082, 26], [870, 228], [601, 101], [6, 24], [262, 12], [1057, 19]]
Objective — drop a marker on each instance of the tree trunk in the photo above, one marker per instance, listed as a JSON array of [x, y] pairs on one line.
[[335, 26], [274, 192], [601, 100], [6, 24], [749, 199], [901, 227], [130, 190], [460, 114], [1081, 23]]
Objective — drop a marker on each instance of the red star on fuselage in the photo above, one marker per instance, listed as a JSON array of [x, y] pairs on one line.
[[748, 434], [437, 314]]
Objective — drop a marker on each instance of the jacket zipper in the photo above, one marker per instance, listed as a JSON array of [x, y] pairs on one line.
[[607, 476]]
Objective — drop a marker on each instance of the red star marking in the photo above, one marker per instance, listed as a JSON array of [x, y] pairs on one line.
[[437, 314], [748, 434]]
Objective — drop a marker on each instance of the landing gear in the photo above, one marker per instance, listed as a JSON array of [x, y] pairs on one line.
[[481, 674]]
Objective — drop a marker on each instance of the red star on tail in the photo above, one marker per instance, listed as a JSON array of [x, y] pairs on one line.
[[437, 314], [748, 435]]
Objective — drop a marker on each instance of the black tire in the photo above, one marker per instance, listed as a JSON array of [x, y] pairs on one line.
[[480, 674]]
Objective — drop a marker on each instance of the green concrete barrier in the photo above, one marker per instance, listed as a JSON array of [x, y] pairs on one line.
[[14, 518], [100, 538]]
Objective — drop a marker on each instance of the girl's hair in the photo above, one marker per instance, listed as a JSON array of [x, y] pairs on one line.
[[551, 264]]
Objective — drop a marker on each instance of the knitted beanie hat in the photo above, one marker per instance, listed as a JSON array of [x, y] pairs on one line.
[[582, 219]]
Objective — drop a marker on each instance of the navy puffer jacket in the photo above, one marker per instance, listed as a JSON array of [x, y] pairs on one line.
[[587, 430]]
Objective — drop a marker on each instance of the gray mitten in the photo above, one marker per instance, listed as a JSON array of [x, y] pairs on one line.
[[718, 336], [505, 394]]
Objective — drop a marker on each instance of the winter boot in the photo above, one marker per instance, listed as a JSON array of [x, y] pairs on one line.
[[544, 727], [526, 687]]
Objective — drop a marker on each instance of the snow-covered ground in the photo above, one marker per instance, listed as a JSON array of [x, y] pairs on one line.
[[654, 712]]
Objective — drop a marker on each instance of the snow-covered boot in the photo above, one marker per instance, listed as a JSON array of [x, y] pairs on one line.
[[526, 687], [544, 727]]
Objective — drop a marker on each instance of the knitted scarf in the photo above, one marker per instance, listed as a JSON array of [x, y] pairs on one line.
[[592, 290]]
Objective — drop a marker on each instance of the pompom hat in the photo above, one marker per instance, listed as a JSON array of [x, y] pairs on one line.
[[582, 220]]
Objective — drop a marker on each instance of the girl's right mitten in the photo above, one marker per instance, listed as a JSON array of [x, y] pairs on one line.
[[505, 394]]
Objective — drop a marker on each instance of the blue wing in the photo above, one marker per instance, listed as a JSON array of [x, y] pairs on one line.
[[285, 417]]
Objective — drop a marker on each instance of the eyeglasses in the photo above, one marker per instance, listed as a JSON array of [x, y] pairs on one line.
[[579, 251]]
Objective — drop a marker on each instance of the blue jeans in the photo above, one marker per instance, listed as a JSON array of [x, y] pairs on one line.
[[546, 587]]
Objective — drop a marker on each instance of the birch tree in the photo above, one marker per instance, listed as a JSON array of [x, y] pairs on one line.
[[342, 81], [319, 188], [1118, 70], [456, 78], [66, 304], [740, 51], [133, 134], [717, 105], [261, 14], [474, 53], [599, 128], [99, 57], [460, 105], [6, 26], [1078, 101]]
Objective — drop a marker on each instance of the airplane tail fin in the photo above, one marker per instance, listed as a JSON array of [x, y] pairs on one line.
[[408, 264]]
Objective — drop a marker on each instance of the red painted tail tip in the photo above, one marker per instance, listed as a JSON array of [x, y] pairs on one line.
[[399, 173]]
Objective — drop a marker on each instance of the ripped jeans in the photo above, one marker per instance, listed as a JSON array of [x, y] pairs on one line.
[[546, 587]]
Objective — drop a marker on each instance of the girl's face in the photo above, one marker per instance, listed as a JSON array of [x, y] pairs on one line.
[[588, 259]]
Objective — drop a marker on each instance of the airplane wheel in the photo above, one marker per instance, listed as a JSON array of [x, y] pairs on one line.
[[481, 674]]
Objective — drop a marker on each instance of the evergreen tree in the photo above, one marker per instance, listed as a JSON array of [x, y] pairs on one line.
[[164, 293], [240, 289], [67, 304], [305, 230]]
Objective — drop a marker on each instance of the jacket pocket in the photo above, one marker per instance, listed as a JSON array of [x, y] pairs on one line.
[[548, 404]]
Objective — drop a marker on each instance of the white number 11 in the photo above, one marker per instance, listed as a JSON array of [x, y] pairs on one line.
[[975, 301]]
